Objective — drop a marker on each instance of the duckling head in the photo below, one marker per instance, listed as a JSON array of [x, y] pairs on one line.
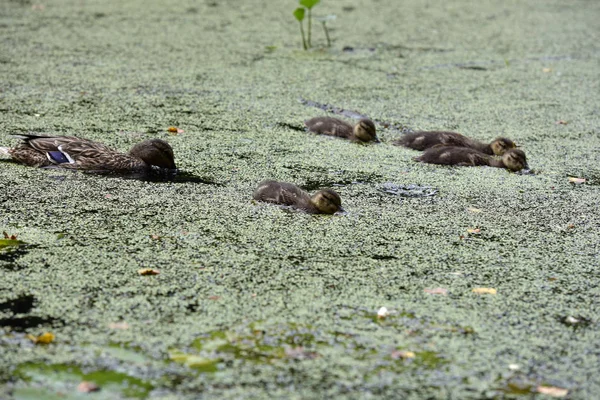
[[327, 201], [501, 145], [154, 152], [515, 160], [365, 131]]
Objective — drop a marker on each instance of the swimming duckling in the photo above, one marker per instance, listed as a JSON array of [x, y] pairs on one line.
[[513, 159], [426, 140], [77, 153], [363, 131], [324, 201]]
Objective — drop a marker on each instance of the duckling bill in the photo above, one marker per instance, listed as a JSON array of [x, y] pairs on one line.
[[76, 153], [363, 131], [425, 140], [513, 159], [324, 201]]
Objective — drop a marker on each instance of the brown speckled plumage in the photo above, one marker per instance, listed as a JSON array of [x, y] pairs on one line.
[[513, 159], [324, 201], [86, 154], [363, 131], [428, 139]]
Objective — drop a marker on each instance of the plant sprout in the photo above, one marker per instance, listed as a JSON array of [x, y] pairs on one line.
[[299, 14], [323, 21], [309, 4]]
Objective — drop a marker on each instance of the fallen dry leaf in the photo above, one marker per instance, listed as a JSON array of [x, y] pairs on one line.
[[552, 391], [119, 325], [437, 290], [154, 237], [561, 122], [148, 271], [396, 354], [546, 70], [474, 210], [44, 338], [9, 237], [570, 226], [214, 297], [173, 130], [474, 231], [87, 387], [576, 181], [484, 290]]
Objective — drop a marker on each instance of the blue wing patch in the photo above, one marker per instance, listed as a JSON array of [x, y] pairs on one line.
[[57, 157]]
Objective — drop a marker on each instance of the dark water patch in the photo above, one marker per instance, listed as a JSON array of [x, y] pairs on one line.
[[353, 179], [383, 257], [299, 128], [333, 109], [21, 305], [407, 190], [22, 324], [163, 176], [473, 67]]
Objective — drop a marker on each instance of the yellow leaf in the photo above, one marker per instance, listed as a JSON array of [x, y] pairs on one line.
[[552, 391], [148, 271], [546, 70], [474, 231], [402, 354], [484, 290], [44, 338]]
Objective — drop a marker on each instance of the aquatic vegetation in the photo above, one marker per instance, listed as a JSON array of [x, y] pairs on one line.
[[299, 13], [323, 21]]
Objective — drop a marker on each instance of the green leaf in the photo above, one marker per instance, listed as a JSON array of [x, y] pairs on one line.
[[299, 14], [309, 3], [10, 243]]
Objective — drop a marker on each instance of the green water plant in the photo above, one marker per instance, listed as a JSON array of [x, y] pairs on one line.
[[323, 21], [299, 14], [309, 4]]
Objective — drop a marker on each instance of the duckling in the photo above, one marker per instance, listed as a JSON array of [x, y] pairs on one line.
[[513, 159], [77, 153], [363, 131], [426, 140], [324, 201]]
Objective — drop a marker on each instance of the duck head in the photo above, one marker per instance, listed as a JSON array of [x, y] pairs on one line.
[[501, 145], [365, 131], [327, 201], [515, 160], [154, 152]]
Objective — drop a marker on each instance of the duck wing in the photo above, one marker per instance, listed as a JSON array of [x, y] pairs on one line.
[[44, 144], [428, 139], [330, 126]]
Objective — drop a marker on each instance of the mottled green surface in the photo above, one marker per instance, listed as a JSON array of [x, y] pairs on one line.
[[253, 301]]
